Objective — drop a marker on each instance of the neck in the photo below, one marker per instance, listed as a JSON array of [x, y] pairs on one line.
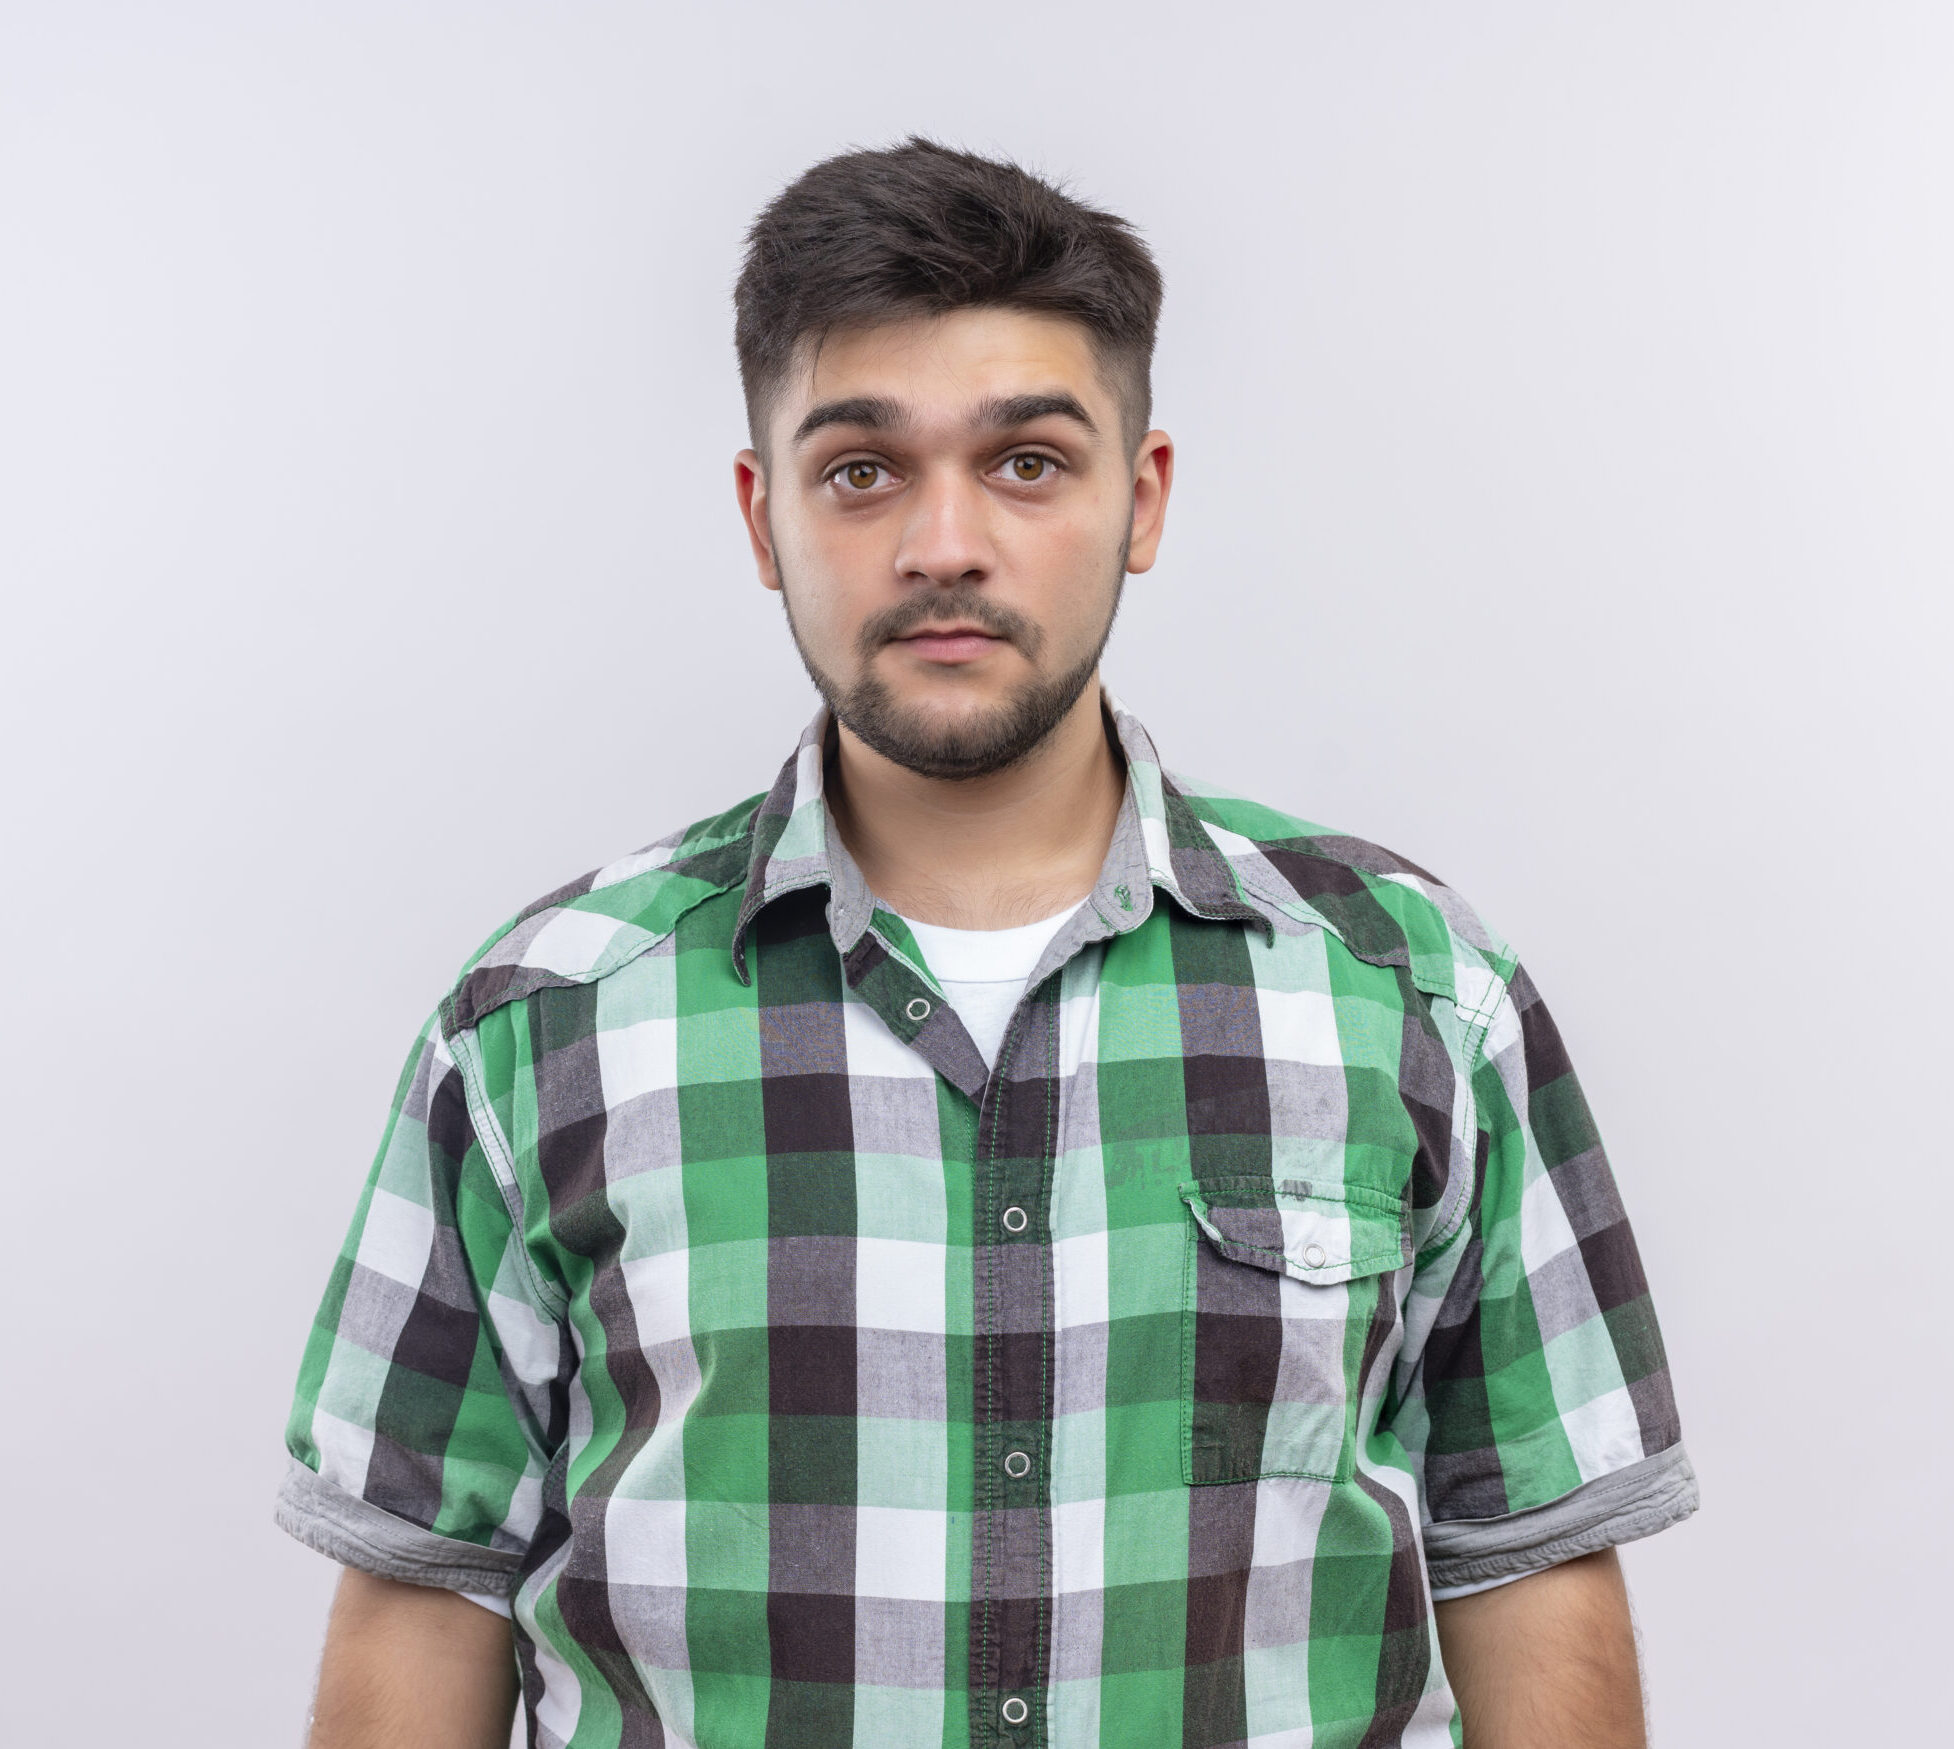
[[985, 852]]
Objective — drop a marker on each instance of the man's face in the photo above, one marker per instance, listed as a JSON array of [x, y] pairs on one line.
[[949, 513]]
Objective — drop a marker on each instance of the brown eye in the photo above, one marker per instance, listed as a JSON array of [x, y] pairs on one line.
[[1029, 467], [860, 475]]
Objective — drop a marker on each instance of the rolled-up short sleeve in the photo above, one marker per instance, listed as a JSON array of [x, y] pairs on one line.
[[430, 1396], [1535, 1391]]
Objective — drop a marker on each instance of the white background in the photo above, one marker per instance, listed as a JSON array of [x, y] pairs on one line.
[[1563, 398]]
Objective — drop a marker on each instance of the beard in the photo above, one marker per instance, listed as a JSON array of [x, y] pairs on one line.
[[1004, 736]]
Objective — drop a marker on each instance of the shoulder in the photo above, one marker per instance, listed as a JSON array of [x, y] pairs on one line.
[[602, 920], [1381, 906]]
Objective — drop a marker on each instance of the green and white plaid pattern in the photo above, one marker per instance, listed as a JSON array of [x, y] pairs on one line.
[[808, 1383]]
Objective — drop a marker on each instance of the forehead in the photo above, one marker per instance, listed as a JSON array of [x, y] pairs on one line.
[[942, 366]]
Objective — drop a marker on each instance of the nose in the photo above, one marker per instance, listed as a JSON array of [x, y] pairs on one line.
[[946, 535]]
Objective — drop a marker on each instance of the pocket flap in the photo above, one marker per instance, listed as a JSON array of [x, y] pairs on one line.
[[1320, 1233]]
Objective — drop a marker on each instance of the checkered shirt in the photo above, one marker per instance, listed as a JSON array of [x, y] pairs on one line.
[[806, 1381]]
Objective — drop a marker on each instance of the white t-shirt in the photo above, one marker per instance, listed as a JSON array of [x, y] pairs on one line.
[[983, 972]]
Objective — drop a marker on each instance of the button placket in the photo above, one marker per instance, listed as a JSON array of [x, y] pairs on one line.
[[1017, 1138]]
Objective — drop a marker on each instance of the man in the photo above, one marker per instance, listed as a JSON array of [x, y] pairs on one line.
[[987, 1241]]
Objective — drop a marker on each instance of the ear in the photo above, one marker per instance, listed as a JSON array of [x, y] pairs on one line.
[[750, 486], [1153, 479]]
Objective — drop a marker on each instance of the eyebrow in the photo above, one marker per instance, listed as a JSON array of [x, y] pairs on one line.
[[1003, 412], [870, 412], [999, 413]]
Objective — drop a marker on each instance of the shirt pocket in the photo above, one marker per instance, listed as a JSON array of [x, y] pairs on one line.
[[1282, 1284]]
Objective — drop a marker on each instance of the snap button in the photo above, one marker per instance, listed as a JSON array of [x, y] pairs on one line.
[[1314, 1256], [1016, 1463], [918, 1009], [1014, 1711], [1015, 1220]]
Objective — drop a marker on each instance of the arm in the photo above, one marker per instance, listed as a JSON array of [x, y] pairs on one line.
[[1547, 1662], [412, 1667]]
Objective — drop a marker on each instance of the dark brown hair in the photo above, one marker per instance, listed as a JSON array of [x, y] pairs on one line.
[[919, 229]]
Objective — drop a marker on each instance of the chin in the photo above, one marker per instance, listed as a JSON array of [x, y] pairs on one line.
[[955, 732]]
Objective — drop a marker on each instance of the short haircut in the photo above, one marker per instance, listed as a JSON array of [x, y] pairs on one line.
[[920, 229]]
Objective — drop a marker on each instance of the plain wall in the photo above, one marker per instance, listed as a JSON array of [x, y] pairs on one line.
[[1565, 408]]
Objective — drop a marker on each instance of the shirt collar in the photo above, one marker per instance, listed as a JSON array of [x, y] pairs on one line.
[[1158, 843]]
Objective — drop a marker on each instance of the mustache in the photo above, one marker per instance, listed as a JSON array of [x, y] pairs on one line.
[[966, 605]]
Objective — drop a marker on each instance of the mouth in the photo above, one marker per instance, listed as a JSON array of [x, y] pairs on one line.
[[962, 642]]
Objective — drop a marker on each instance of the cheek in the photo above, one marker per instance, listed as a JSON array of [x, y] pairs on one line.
[[827, 602], [1071, 568], [1080, 543], [836, 551]]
